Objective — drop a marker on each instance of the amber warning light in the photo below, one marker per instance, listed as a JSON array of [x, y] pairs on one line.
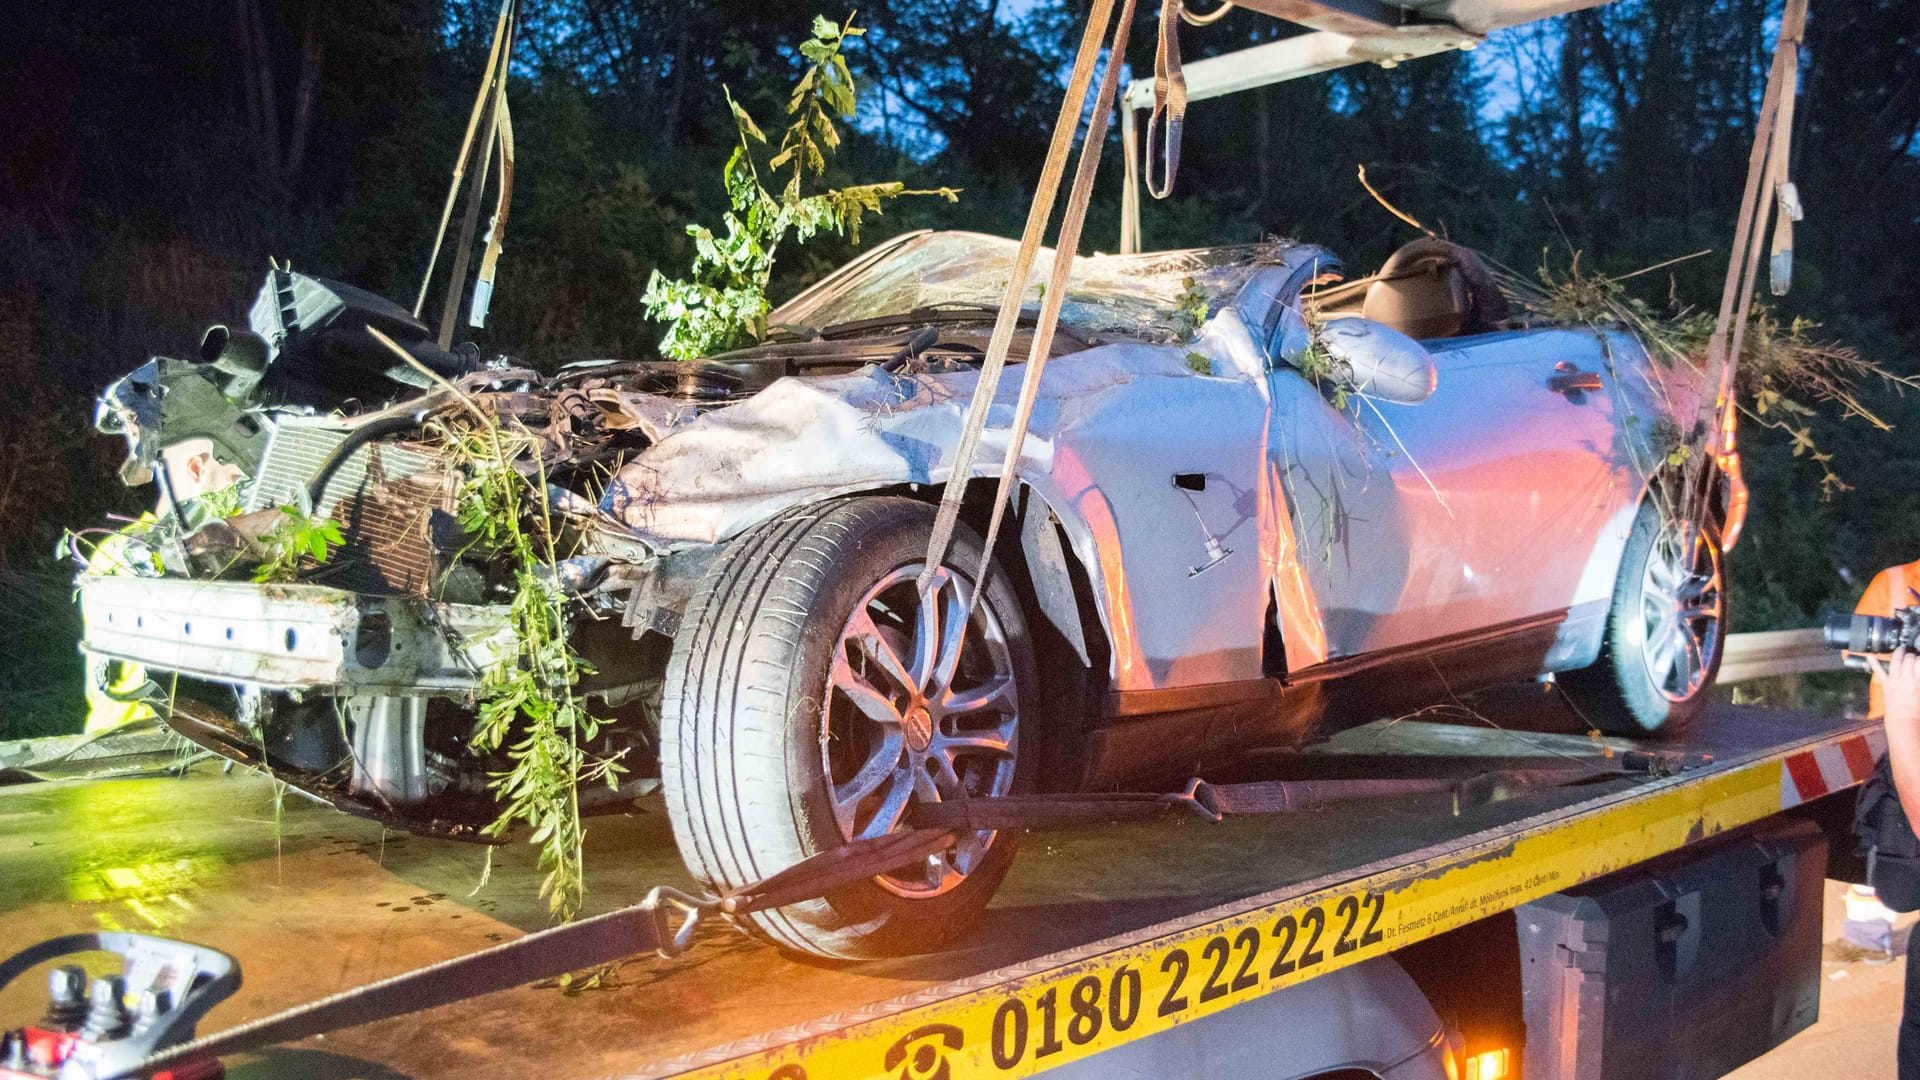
[[1488, 1065]]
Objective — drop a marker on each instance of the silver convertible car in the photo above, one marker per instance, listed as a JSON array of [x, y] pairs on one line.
[[1255, 503]]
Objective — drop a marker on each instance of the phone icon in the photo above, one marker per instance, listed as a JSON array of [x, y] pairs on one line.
[[924, 1052]]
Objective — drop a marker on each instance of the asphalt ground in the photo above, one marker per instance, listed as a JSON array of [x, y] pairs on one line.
[[1860, 1006]]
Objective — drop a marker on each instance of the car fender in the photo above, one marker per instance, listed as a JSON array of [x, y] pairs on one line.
[[1097, 453]]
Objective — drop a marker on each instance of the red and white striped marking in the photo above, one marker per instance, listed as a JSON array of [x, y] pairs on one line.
[[1806, 775]]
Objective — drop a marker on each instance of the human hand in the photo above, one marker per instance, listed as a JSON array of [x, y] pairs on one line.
[[1900, 677]]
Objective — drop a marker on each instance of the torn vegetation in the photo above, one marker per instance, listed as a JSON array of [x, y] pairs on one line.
[[1781, 367], [723, 303], [530, 705], [299, 543]]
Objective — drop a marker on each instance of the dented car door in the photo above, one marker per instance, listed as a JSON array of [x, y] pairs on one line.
[[1478, 509]]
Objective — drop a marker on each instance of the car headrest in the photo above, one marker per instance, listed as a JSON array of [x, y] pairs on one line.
[[1433, 288]]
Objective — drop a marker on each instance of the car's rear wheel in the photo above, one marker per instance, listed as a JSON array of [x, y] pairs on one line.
[[815, 694], [1665, 632]]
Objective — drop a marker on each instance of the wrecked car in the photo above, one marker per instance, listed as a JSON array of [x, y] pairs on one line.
[[1256, 503]]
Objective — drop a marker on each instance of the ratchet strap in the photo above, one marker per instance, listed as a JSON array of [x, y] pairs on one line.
[[665, 921], [1217, 801]]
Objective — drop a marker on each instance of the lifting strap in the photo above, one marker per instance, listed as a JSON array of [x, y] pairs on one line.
[[1164, 126], [1129, 181], [1169, 118], [1038, 214], [496, 228], [463, 248], [494, 63], [1767, 187]]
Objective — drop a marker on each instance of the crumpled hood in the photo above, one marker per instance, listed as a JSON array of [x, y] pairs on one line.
[[802, 439]]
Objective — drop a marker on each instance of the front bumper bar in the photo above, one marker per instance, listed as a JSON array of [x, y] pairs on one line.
[[294, 637]]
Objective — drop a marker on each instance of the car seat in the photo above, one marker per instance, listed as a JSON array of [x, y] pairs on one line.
[[1430, 288]]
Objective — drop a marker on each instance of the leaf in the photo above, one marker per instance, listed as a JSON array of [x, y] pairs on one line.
[[742, 121]]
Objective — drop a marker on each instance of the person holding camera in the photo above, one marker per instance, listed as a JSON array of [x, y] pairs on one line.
[[1869, 922], [1898, 677], [1893, 588]]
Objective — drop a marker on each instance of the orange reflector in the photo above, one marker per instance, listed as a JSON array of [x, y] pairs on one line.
[[1489, 1065]]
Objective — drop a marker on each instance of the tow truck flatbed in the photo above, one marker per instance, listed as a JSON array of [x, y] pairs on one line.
[[1164, 921]]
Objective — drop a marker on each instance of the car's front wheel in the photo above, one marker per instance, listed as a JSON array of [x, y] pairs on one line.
[[815, 693], [1665, 632]]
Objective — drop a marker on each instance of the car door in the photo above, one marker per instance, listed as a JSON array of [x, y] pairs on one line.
[[1478, 507]]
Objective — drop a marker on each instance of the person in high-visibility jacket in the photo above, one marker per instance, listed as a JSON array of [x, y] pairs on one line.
[[109, 682], [1899, 678], [193, 473], [1868, 922], [1894, 587]]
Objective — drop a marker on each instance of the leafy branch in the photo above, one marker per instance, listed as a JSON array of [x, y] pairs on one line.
[[529, 705], [1781, 366], [1317, 365], [298, 541], [723, 304]]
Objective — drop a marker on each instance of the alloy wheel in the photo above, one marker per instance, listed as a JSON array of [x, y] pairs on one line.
[[922, 706], [1681, 611]]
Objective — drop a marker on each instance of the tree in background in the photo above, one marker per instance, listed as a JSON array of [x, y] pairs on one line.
[[153, 156]]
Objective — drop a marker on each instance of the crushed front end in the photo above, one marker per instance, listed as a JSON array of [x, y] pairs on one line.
[[307, 599]]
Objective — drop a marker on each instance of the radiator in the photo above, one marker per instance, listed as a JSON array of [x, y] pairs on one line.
[[384, 497]]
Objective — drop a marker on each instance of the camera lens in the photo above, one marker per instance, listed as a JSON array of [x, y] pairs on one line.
[[1863, 633]]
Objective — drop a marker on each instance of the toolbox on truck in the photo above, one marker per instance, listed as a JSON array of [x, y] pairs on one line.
[[1689, 966]]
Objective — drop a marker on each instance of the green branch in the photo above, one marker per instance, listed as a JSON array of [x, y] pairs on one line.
[[722, 304]]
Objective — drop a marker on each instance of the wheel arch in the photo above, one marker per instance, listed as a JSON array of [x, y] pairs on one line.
[[1045, 555], [1049, 553]]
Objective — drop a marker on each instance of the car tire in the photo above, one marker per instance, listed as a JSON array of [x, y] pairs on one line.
[[769, 747], [1666, 631]]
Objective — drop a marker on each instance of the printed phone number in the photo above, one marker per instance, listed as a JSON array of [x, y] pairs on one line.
[[1183, 977], [1222, 965]]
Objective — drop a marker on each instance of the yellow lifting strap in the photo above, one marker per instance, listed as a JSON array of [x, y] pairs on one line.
[[1169, 118], [497, 228], [494, 64], [1768, 187], [1068, 240], [1164, 126]]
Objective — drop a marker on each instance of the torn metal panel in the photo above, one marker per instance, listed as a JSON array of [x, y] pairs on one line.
[[1181, 571], [1112, 428]]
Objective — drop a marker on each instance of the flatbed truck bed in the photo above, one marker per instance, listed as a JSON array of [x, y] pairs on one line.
[[1164, 921]]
